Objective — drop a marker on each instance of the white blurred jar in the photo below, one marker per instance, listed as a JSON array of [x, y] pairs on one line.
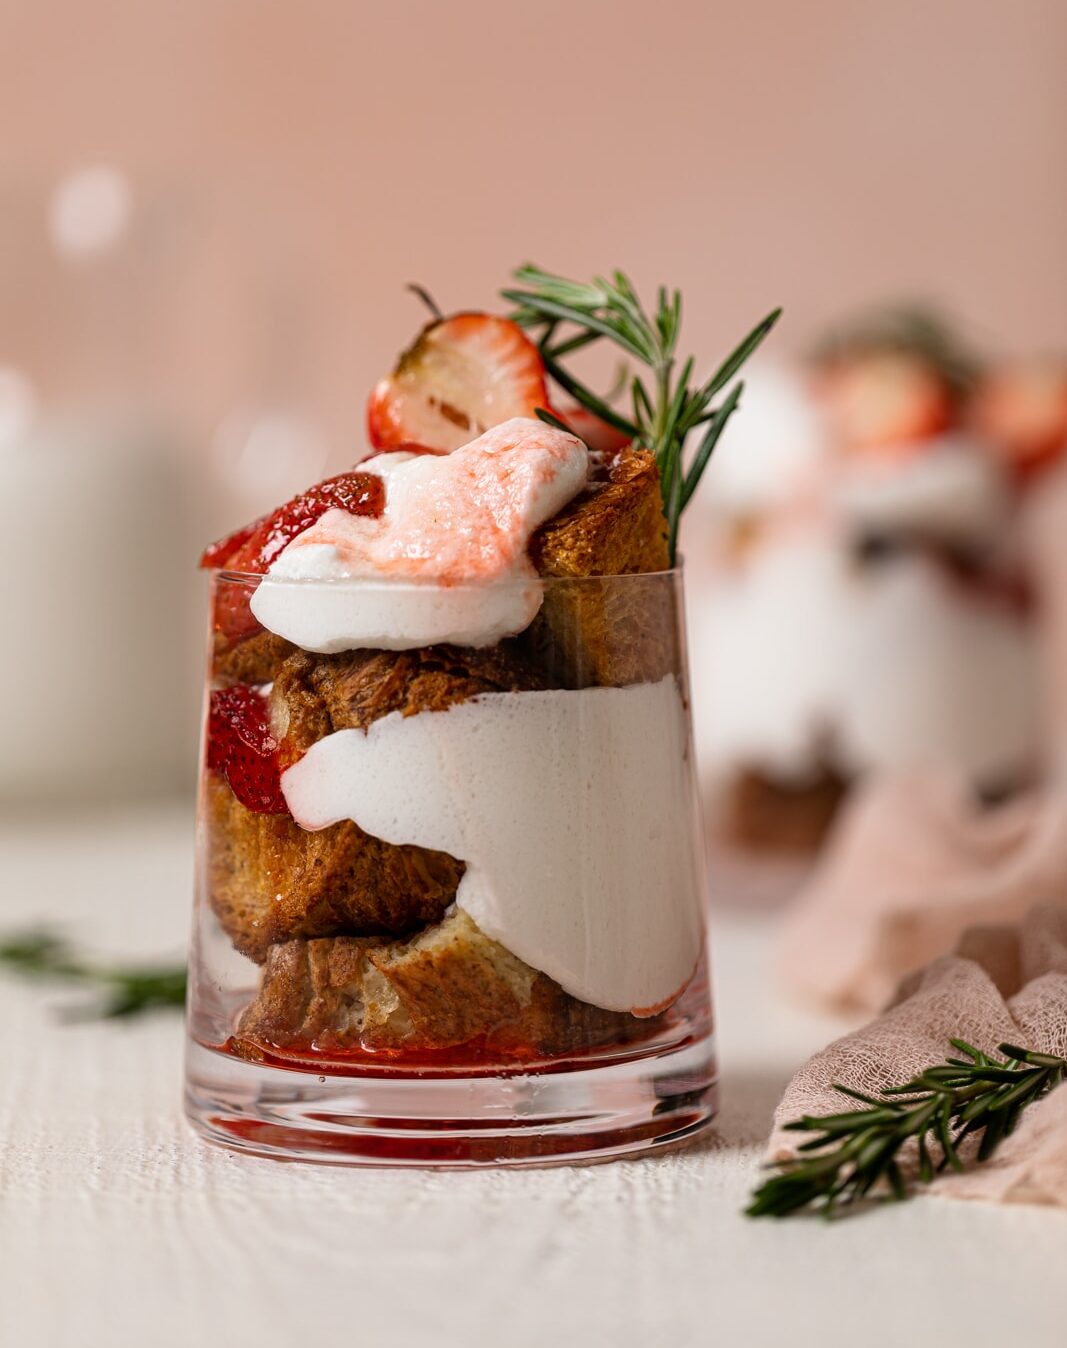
[[96, 612]]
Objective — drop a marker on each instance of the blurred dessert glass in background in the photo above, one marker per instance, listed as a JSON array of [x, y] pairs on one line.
[[868, 599], [143, 404], [95, 501]]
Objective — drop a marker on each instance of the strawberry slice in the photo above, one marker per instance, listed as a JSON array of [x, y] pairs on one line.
[[463, 375], [252, 549], [1022, 413], [217, 556], [241, 748], [885, 402]]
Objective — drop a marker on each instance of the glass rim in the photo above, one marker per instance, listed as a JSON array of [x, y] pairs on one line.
[[369, 583]]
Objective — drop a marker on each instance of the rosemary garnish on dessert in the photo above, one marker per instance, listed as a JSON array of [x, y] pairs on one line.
[[128, 989], [853, 1152], [667, 408]]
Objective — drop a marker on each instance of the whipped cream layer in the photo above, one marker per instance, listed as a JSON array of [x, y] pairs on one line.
[[885, 668], [951, 491], [448, 555], [571, 809]]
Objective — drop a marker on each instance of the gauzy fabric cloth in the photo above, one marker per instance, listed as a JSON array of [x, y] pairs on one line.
[[914, 861], [1004, 984]]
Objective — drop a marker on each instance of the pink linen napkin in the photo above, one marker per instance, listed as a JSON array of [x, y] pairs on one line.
[[913, 861], [1003, 984]]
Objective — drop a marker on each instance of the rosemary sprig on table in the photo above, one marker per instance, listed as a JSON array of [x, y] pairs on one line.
[[128, 989], [853, 1152], [666, 407]]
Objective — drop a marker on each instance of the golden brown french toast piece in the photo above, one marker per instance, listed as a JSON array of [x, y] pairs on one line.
[[255, 659], [315, 694], [448, 985], [614, 528], [270, 880], [590, 632]]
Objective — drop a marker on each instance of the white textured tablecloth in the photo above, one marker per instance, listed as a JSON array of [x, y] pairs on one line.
[[118, 1228]]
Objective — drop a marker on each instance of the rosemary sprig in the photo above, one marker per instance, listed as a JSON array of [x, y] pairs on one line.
[[855, 1151], [665, 410], [127, 990]]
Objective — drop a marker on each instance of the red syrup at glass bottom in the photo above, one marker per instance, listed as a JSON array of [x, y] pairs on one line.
[[684, 1023], [477, 1058]]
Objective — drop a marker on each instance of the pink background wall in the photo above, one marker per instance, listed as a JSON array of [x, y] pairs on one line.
[[295, 162], [322, 153]]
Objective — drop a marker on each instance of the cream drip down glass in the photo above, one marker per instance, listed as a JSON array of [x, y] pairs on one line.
[[450, 895]]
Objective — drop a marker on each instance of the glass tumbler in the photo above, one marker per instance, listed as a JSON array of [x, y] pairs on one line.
[[450, 903]]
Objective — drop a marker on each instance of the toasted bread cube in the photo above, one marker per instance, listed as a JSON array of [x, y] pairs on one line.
[[314, 694], [449, 985], [255, 659], [271, 880], [615, 528], [591, 631]]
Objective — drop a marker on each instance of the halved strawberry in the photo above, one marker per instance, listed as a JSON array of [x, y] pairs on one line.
[[252, 549], [1022, 412], [885, 401], [241, 748], [463, 375]]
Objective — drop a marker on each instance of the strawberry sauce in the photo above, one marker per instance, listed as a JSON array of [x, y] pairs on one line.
[[252, 549], [480, 1056], [241, 748]]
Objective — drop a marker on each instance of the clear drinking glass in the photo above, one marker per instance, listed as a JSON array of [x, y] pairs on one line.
[[507, 963]]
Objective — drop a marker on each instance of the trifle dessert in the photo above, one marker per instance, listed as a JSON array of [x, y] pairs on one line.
[[879, 568], [451, 897]]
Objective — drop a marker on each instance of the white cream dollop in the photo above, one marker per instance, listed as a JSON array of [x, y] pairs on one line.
[[447, 559], [571, 810], [885, 668]]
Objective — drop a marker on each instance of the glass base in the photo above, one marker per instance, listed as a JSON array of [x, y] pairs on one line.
[[562, 1116]]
